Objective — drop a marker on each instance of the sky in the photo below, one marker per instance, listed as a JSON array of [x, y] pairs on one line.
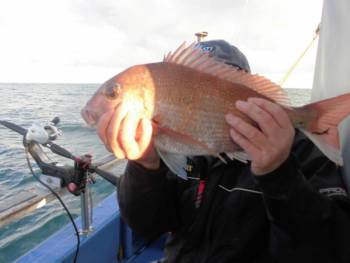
[[89, 41]]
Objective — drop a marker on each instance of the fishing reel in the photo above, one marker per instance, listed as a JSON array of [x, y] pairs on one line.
[[42, 134]]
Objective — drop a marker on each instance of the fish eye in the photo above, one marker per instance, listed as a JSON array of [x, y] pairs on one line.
[[113, 91]]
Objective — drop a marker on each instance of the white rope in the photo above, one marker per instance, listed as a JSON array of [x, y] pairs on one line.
[[295, 64]]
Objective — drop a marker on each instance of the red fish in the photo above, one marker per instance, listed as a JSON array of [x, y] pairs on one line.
[[187, 96]]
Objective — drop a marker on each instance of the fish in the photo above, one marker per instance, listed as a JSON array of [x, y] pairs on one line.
[[188, 94]]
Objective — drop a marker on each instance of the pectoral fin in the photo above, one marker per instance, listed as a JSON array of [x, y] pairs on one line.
[[187, 139]]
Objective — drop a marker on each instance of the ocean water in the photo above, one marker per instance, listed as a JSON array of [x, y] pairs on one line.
[[25, 104]]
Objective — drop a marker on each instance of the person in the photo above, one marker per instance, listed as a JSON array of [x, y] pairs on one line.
[[288, 204]]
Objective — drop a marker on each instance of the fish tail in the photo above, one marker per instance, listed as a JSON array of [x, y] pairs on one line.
[[322, 127]]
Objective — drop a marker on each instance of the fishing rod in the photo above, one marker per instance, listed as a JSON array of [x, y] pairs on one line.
[[76, 178], [39, 135]]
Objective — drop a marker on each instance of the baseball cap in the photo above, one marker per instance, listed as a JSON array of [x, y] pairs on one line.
[[227, 52]]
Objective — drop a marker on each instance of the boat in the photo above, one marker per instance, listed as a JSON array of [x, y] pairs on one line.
[[109, 239]]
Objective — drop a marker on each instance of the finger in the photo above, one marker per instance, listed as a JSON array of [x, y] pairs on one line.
[[113, 130], [102, 125], [251, 133], [145, 135], [275, 110], [264, 120], [253, 152], [126, 137]]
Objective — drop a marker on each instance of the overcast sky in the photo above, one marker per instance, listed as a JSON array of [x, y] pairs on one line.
[[91, 40]]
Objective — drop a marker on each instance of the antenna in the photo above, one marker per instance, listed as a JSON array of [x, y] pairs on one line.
[[201, 35]]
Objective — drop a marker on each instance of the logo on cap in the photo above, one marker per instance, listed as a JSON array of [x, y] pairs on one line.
[[208, 49]]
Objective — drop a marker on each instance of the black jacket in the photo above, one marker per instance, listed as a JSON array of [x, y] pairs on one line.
[[298, 213]]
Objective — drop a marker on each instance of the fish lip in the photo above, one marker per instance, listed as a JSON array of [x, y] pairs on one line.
[[89, 117]]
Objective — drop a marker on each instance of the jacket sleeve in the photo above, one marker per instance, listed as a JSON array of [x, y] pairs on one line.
[[308, 208], [146, 199]]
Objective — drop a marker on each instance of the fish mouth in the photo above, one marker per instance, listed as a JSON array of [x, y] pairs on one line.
[[89, 117]]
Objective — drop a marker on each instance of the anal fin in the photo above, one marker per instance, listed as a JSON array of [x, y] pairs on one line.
[[175, 162], [239, 156]]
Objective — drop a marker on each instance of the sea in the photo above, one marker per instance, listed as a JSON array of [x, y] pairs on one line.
[[33, 103]]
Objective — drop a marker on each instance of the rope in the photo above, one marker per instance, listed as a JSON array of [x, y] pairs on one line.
[[289, 72]]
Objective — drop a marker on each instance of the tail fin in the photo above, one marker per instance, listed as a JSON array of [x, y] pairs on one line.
[[323, 129]]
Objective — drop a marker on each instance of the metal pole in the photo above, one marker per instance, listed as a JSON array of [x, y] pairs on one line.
[[86, 209], [201, 35]]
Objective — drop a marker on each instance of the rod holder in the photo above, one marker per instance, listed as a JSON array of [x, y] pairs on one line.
[[86, 210]]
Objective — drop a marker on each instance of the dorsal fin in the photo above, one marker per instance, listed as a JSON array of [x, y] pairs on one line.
[[193, 57]]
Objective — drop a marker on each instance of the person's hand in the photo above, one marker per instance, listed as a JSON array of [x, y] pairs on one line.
[[269, 145], [128, 134]]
